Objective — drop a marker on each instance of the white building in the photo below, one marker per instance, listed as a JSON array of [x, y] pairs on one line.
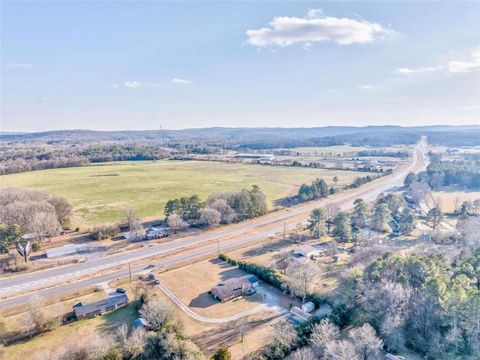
[[306, 250], [65, 250]]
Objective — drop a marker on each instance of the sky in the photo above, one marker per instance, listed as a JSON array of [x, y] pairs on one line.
[[144, 65]]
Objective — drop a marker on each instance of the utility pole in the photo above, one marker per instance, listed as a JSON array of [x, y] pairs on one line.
[[130, 272]]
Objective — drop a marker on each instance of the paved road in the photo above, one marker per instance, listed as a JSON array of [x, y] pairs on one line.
[[191, 247]]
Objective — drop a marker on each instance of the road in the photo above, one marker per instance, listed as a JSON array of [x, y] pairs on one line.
[[60, 279]]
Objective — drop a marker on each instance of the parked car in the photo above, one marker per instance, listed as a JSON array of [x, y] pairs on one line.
[[151, 277], [121, 291]]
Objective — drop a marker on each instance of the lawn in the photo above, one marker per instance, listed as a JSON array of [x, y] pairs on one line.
[[100, 193], [192, 283]]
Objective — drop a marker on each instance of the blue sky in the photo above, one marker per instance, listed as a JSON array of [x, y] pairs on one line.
[[141, 65]]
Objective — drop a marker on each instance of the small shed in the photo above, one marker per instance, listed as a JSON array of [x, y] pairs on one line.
[[141, 323], [306, 250], [308, 307]]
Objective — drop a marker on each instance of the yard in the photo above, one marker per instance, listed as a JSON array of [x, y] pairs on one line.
[[192, 283], [100, 193]]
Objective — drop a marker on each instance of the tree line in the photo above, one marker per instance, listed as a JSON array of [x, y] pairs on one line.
[[220, 208], [30, 212], [23, 158]]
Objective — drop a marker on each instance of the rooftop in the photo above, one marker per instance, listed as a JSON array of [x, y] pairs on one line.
[[105, 303]]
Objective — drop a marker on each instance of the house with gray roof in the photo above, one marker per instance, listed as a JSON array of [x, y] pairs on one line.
[[101, 307], [235, 287]]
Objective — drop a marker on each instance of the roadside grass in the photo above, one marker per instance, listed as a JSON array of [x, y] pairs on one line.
[[98, 197]]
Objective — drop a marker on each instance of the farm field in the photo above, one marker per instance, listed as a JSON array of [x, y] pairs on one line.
[[100, 193]]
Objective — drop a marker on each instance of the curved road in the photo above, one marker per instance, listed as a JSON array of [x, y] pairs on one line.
[[53, 281]]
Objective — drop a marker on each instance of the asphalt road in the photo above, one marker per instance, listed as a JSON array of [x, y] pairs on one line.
[[54, 281]]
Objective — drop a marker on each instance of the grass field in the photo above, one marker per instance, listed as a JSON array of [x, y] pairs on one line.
[[448, 200], [101, 193]]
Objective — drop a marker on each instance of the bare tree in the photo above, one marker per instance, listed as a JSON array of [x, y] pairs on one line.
[[323, 334], [366, 342], [341, 350], [227, 213], [157, 313], [63, 209], [301, 279], [418, 191], [34, 320], [175, 222], [302, 354], [210, 217], [331, 211], [284, 260], [132, 343], [469, 229]]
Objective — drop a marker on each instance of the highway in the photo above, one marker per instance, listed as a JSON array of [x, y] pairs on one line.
[[69, 278]]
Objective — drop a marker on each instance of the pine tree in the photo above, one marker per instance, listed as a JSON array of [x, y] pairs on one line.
[[316, 222], [342, 227]]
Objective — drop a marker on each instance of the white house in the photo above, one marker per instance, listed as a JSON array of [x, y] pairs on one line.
[[306, 250]]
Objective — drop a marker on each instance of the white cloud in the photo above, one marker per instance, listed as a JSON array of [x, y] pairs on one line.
[[20, 65], [427, 69], [367, 87], [456, 66], [157, 85], [315, 27], [181, 81], [133, 84], [452, 66]]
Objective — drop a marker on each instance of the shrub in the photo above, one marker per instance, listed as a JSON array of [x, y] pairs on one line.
[[222, 354]]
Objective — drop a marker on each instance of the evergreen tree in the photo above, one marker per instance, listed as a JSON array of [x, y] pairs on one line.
[[407, 221], [9, 236], [316, 222], [434, 217], [381, 217], [359, 216], [342, 227]]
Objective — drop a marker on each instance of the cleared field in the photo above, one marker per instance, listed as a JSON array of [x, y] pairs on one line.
[[101, 193], [449, 200]]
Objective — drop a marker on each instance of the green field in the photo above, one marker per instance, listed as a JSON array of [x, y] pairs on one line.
[[101, 193]]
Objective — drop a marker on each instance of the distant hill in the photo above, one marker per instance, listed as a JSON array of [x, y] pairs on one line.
[[265, 137]]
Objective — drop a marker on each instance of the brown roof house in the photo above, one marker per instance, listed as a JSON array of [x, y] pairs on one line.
[[83, 311], [232, 288]]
